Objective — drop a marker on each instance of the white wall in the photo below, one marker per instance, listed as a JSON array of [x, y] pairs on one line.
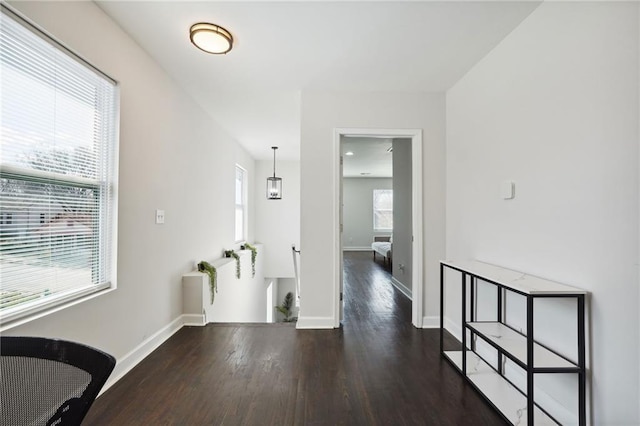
[[402, 230], [277, 222], [357, 211], [321, 113], [172, 157], [554, 107]]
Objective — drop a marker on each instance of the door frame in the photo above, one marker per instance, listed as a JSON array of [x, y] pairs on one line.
[[417, 287]]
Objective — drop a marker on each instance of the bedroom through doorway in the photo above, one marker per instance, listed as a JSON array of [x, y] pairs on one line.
[[377, 228]]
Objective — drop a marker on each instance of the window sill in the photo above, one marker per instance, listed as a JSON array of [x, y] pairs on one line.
[[48, 311]]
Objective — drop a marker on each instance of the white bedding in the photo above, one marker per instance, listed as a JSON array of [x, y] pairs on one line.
[[383, 248]]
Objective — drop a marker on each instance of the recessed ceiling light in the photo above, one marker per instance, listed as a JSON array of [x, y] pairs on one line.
[[348, 153], [211, 38]]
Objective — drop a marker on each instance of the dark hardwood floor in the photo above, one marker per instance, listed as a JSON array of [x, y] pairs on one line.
[[376, 370]]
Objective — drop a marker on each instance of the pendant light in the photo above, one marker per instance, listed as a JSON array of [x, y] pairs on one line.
[[274, 184]]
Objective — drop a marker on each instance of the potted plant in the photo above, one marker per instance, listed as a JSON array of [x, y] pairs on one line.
[[286, 308]]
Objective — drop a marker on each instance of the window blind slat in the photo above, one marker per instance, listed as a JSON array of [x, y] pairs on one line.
[[57, 140]]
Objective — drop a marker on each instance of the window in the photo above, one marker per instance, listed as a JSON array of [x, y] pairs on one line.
[[382, 209], [58, 141], [241, 204]]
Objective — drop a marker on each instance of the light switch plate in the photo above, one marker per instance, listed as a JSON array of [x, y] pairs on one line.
[[159, 217], [508, 190]]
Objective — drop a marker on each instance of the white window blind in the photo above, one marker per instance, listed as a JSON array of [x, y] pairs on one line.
[[57, 172], [241, 211], [382, 209]]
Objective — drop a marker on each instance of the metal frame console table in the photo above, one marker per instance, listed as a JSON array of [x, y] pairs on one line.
[[520, 348]]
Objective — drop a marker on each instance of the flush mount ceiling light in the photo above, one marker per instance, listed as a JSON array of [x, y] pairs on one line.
[[274, 184], [211, 38]]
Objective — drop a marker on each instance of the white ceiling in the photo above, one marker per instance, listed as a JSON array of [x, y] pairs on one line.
[[371, 157], [283, 48]]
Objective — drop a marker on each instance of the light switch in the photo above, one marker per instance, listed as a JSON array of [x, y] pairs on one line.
[[508, 190], [159, 217]]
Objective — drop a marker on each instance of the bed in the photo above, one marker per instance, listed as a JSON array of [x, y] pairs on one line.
[[382, 245]]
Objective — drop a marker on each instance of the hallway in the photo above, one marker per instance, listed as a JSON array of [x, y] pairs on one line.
[[370, 298], [375, 370]]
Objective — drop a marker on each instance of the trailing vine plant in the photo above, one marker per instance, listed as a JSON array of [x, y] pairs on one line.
[[208, 269], [254, 254], [232, 253]]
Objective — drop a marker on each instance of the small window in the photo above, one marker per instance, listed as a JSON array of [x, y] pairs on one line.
[[383, 209], [58, 141], [241, 204]]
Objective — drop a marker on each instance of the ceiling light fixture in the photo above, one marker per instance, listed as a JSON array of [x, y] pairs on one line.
[[348, 153], [274, 184], [211, 38]]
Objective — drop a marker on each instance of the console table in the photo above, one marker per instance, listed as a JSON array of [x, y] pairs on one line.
[[516, 406]]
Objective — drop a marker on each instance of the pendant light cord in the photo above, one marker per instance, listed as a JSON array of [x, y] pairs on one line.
[[274, 160]]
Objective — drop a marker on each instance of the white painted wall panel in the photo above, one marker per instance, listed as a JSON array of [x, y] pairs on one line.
[[172, 157], [358, 211], [277, 222], [402, 231], [554, 108], [322, 112]]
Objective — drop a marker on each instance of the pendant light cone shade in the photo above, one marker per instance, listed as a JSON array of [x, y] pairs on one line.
[[211, 38], [274, 184]]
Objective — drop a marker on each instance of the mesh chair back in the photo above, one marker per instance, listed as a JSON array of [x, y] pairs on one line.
[[48, 381]]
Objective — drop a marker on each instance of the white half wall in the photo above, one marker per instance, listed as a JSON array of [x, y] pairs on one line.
[[242, 300], [172, 157], [277, 222], [554, 107], [322, 112], [358, 211]]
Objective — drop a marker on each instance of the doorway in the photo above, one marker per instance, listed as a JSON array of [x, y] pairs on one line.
[[414, 136]]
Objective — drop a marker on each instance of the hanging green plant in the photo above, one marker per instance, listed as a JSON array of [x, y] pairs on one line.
[[254, 254], [232, 253], [208, 269]]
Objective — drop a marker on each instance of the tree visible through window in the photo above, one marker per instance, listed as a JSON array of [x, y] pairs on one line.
[[57, 178], [382, 209]]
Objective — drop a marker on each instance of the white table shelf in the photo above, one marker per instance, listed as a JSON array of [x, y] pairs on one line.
[[517, 407], [515, 344], [504, 396], [513, 280]]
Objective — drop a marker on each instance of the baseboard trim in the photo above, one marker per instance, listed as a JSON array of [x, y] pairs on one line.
[[356, 249], [133, 358], [194, 320], [430, 322], [314, 323], [401, 287], [453, 328]]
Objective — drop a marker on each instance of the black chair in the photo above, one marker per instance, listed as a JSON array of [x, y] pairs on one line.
[[48, 381]]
